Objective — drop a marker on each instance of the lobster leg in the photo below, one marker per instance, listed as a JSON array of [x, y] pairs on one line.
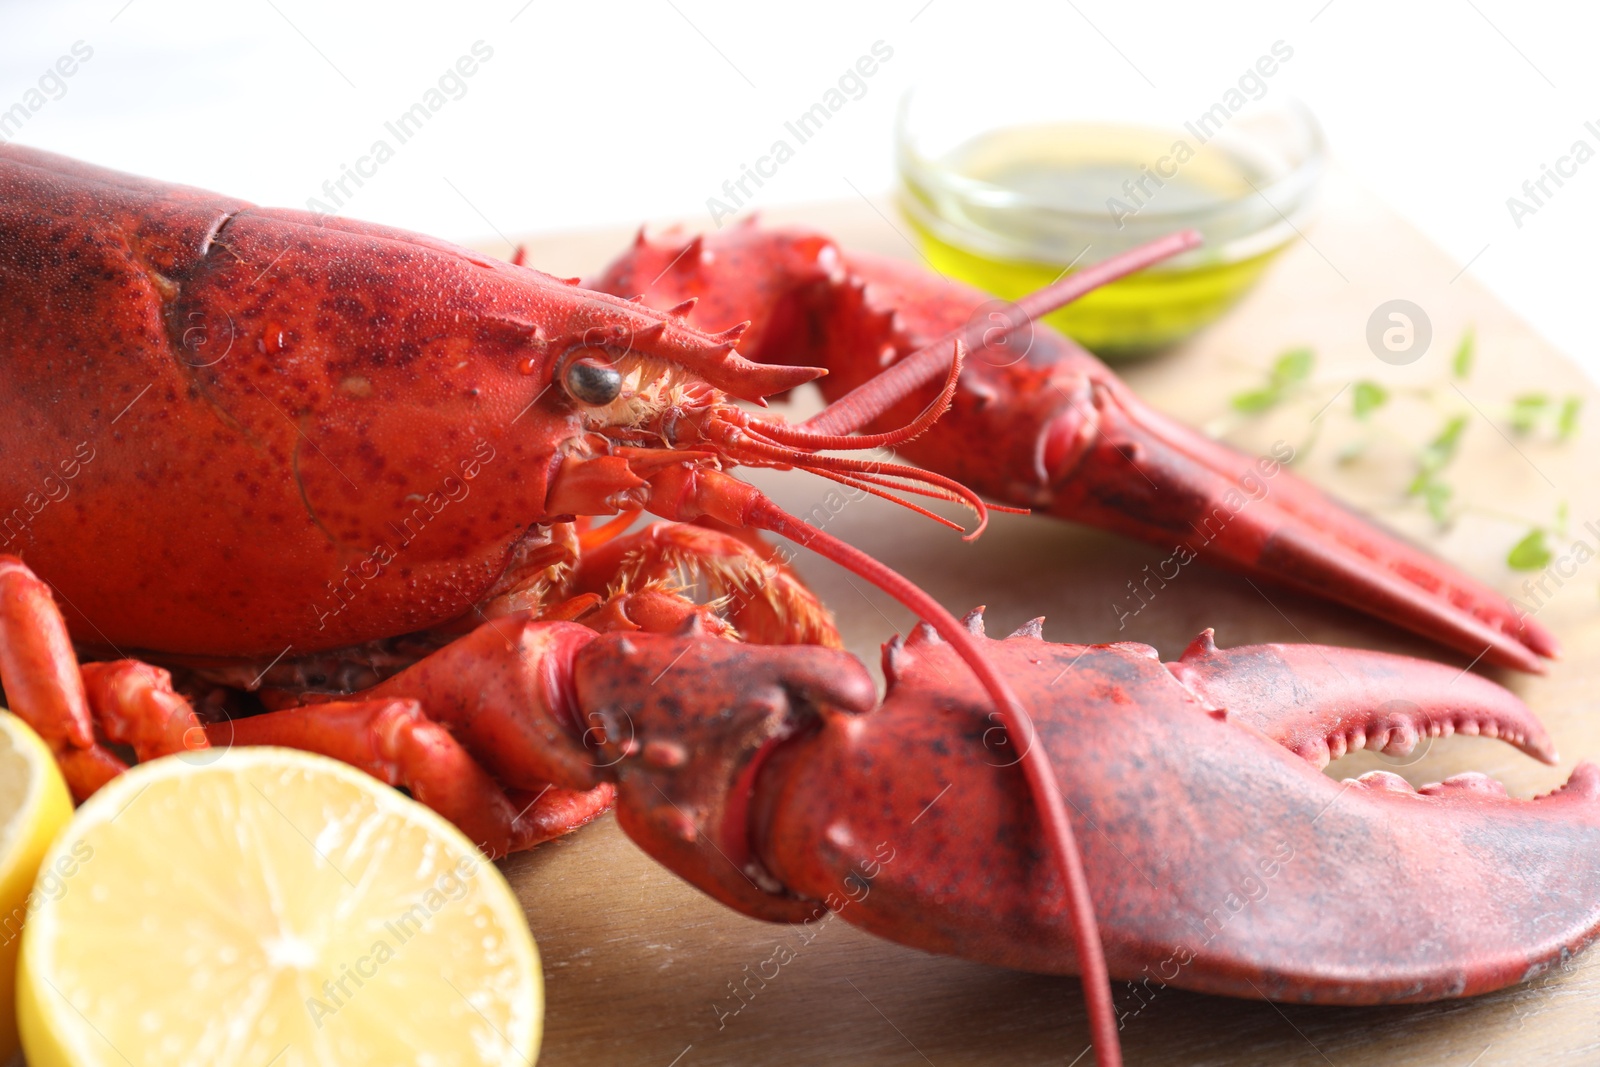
[[746, 581], [392, 740], [1039, 423], [478, 679], [42, 682], [466, 730], [498, 691], [496, 695], [130, 702], [133, 703]]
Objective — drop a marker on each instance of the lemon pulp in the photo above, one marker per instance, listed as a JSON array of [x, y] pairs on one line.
[[278, 908]]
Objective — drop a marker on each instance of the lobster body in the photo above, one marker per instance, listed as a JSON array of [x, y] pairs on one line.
[[271, 415]]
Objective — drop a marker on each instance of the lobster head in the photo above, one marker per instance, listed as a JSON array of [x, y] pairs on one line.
[[653, 423]]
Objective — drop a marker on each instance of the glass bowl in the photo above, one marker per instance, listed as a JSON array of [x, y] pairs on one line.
[[1010, 195]]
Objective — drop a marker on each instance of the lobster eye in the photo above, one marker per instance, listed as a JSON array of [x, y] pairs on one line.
[[592, 382]]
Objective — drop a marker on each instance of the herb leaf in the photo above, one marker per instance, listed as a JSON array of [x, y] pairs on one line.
[[1437, 495], [1252, 401], [1466, 352], [1567, 422], [1289, 369], [1434, 458], [1531, 553], [1293, 366], [1526, 410], [1369, 397], [1442, 449]]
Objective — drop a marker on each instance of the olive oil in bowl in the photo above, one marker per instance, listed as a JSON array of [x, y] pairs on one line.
[[1010, 209]]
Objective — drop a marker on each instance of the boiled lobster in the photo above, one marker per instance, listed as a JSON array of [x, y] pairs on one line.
[[339, 479]]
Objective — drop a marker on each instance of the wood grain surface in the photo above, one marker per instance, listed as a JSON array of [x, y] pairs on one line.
[[638, 965]]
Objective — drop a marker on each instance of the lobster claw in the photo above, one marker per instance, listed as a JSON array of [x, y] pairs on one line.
[[1219, 859], [1388, 893], [1112, 461]]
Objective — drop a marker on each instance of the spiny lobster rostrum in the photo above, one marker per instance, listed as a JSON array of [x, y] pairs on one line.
[[333, 484]]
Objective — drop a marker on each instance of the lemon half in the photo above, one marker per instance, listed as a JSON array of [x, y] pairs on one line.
[[34, 806], [272, 909]]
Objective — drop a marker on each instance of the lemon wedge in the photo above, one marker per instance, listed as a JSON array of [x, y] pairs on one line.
[[272, 909], [34, 806]]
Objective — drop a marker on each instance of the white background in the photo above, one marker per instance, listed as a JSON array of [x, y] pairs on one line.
[[618, 112]]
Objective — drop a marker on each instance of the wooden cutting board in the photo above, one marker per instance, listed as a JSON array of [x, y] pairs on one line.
[[638, 966]]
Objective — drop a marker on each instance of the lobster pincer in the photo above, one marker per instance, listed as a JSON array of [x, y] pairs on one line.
[[1219, 856]]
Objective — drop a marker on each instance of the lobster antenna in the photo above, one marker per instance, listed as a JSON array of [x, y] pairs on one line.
[[912, 479], [873, 397], [793, 446], [1057, 827], [803, 438]]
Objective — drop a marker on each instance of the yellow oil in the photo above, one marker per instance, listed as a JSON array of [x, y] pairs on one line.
[[1065, 177]]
